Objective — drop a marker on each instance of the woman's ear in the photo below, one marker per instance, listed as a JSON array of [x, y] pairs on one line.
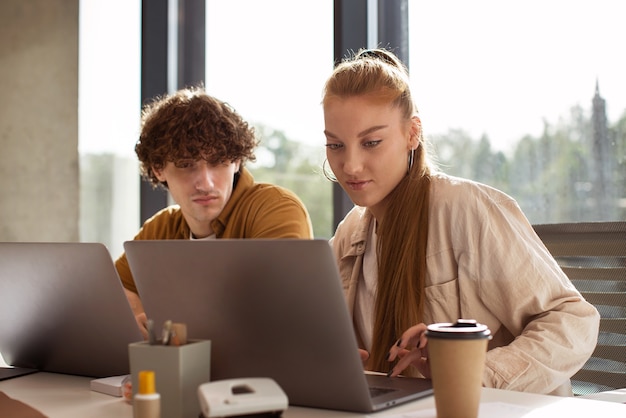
[[415, 132]]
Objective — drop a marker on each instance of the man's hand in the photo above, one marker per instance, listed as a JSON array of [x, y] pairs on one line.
[[140, 315], [364, 355]]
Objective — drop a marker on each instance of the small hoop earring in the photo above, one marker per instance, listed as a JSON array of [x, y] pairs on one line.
[[327, 172], [411, 155]]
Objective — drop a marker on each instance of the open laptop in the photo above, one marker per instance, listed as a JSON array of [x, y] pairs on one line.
[[64, 310], [271, 308]]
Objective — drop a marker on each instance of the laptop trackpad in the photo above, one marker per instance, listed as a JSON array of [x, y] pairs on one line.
[[382, 387]]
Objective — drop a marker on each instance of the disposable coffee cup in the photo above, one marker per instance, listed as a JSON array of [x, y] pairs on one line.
[[456, 353]]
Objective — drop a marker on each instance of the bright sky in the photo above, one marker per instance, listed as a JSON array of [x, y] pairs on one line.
[[271, 67], [501, 67], [485, 66]]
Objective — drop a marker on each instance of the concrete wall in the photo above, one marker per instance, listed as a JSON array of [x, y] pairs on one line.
[[39, 173]]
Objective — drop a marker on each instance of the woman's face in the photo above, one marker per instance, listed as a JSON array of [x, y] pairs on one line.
[[367, 147]]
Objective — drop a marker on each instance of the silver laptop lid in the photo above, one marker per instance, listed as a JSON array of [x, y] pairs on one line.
[[271, 308], [64, 310]]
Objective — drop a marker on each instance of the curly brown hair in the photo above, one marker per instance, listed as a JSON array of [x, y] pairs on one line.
[[190, 124]]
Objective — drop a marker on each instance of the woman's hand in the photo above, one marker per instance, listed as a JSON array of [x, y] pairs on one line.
[[411, 349]]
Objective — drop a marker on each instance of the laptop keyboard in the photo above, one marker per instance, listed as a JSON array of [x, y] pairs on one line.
[[378, 391]]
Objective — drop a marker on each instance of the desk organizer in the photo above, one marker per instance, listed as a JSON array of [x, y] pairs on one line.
[[179, 370]]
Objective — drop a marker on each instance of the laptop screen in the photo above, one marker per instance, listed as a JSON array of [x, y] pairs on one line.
[[271, 308], [64, 309]]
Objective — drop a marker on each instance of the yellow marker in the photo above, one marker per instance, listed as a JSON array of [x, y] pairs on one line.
[[147, 402]]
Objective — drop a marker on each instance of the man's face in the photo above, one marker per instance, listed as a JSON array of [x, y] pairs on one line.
[[201, 189]]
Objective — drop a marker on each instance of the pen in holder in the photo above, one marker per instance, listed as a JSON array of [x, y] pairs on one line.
[[178, 371]]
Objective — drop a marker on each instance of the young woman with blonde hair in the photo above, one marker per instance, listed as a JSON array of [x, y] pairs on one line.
[[422, 247]]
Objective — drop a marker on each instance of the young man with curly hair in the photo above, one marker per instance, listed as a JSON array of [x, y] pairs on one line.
[[195, 146]]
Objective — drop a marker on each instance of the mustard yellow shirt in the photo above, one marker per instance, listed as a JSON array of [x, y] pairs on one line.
[[255, 210]]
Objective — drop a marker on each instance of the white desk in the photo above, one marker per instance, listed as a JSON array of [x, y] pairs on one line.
[[64, 396]]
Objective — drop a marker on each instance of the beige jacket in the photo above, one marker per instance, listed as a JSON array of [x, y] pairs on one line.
[[485, 262]]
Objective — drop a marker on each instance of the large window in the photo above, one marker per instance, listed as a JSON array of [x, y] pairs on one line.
[[269, 60], [109, 111], [528, 97]]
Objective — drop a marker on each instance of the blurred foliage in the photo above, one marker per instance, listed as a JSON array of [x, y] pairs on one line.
[[297, 167], [554, 177], [559, 176]]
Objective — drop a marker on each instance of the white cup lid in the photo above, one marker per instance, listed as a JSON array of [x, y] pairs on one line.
[[466, 329]]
